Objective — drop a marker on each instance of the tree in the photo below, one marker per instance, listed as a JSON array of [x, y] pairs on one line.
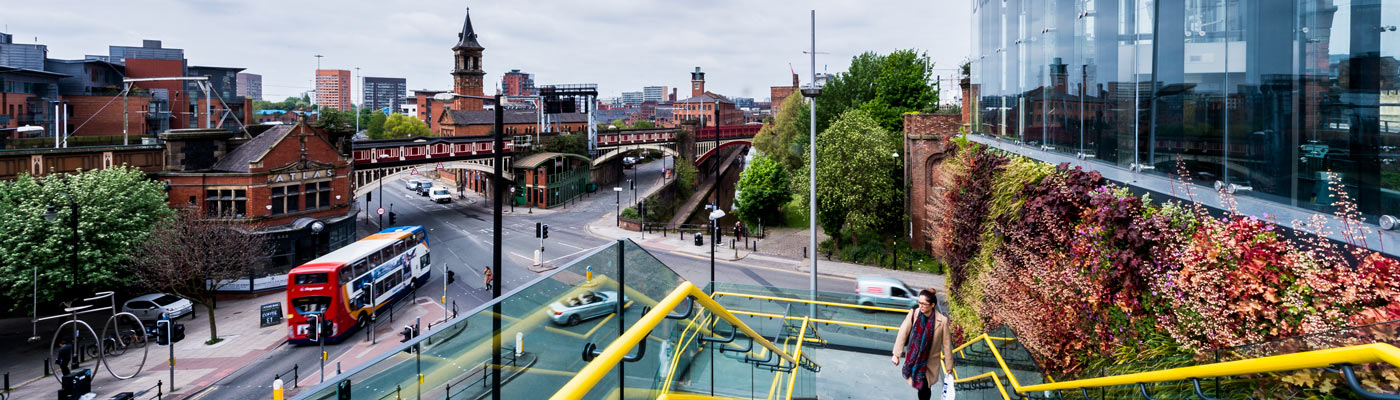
[[117, 208], [885, 86], [785, 140], [336, 122], [375, 126], [403, 126], [686, 177], [193, 257], [857, 190], [643, 125], [571, 143], [763, 187]]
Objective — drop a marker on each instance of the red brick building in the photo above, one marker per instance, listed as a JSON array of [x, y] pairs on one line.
[[288, 182], [333, 88], [702, 104], [777, 94], [467, 74]]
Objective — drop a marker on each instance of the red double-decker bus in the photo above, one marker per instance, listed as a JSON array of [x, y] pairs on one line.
[[343, 287]]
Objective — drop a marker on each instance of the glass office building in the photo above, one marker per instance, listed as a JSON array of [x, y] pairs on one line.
[[1268, 94]]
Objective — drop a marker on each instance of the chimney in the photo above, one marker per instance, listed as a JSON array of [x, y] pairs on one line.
[[794, 80]]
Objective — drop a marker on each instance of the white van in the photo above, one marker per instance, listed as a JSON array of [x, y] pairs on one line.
[[439, 194], [882, 291]]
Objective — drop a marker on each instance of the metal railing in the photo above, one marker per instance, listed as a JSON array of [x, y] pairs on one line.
[[1341, 360], [483, 374], [294, 371], [604, 362]]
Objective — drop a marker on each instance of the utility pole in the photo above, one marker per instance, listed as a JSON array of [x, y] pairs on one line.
[[362, 100], [812, 172]]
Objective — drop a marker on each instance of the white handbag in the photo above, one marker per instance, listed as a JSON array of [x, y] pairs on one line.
[[947, 386]]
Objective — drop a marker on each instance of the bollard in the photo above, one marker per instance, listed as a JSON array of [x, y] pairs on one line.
[[804, 251], [277, 389], [160, 391], [337, 368], [296, 375], [46, 367]]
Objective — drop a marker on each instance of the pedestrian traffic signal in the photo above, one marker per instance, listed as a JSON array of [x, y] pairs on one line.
[[178, 333], [537, 230], [544, 232], [163, 332], [407, 333], [342, 390], [393, 217]]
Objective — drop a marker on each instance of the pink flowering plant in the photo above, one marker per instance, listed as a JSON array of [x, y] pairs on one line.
[[1088, 275]]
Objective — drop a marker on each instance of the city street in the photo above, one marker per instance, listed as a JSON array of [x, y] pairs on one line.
[[459, 234]]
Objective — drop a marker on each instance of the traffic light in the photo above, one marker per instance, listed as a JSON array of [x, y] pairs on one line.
[[342, 390], [407, 333], [544, 231], [537, 230], [393, 217], [178, 333], [163, 332], [451, 277]]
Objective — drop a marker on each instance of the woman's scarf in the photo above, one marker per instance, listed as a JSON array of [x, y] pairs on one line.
[[916, 359]]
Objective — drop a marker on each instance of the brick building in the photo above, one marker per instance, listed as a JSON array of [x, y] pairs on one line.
[[515, 122], [288, 183], [702, 104], [333, 88], [467, 74], [428, 109], [777, 94], [516, 83]]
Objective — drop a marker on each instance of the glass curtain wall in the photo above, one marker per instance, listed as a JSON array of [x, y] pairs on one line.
[[1274, 96]]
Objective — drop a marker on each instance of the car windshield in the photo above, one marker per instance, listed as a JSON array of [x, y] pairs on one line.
[[165, 300], [440, 191]]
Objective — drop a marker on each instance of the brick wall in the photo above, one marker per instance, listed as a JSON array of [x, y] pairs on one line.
[[89, 114], [926, 143]]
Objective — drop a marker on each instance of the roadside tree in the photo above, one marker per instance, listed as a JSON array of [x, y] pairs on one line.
[[192, 257], [762, 188], [857, 190], [116, 209]]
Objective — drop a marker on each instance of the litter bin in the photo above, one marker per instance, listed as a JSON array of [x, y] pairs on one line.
[[699, 239], [76, 384]]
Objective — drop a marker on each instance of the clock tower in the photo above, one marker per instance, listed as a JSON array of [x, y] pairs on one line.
[[467, 75]]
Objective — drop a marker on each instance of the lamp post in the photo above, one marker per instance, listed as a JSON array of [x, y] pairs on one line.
[[812, 92], [497, 161], [618, 191], [52, 215], [381, 193], [715, 215]]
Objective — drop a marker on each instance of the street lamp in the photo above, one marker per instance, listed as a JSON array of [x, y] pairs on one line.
[[618, 191], [715, 215], [51, 215], [812, 91], [498, 163]]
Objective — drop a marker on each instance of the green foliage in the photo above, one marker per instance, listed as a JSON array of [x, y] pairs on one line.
[[571, 143], [786, 138], [630, 213], [335, 122], [374, 125], [291, 103], [643, 125], [857, 191], [117, 209], [398, 126], [686, 178], [795, 212], [885, 86], [763, 187]]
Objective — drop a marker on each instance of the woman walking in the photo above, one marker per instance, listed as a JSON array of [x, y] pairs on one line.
[[926, 333]]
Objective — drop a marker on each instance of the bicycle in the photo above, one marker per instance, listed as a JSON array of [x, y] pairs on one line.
[[115, 344]]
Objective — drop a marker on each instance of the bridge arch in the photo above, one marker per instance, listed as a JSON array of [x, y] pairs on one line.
[[725, 144], [617, 151], [365, 180]]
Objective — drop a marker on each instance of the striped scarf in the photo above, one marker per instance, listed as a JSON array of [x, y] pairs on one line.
[[916, 359]]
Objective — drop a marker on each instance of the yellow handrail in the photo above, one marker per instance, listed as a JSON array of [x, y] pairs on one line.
[[792, 378], [1360, 354], [822, 321], [824, 303], [593, 372]]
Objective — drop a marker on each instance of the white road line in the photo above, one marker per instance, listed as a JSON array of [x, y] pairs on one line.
[[569, 245], [532, 259]]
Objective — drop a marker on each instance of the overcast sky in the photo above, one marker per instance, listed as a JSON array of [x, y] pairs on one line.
[[744, 47]]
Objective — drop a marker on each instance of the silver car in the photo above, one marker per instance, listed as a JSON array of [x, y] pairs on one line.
[[588, 304], [151, 306]]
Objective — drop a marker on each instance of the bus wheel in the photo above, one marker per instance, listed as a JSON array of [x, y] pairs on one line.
[[362, 321]]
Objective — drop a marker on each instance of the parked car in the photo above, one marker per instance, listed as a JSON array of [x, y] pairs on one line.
[[151, 306], [424, 187], [883, 291], [586, 305], [629, 161], [440, 195], [414, 184]]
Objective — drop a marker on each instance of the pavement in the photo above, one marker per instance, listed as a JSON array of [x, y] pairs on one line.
[[777, 250]]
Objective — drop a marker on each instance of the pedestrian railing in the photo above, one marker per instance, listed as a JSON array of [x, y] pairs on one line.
[[480, 378], [294, 372], [158, 395]]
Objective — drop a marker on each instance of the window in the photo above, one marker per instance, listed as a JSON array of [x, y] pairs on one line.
[[284, 199], [310, 304], [226, 203], [318, 195], [375, 259], [312, 279]]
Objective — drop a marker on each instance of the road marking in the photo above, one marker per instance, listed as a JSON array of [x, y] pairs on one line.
[[532, 259], [570, 245], [204, 393], [567, 255]]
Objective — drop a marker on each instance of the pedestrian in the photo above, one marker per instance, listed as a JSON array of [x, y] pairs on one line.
[[65, 356], [926, 332], [487, 274]]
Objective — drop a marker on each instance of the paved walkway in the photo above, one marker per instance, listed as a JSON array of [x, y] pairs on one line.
[[197, 365], [776, 251]]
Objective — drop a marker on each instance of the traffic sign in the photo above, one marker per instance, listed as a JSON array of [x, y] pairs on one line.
[[414, 171], [380, 211], [439, 165]]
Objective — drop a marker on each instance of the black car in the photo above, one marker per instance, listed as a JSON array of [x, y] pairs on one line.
[[424, 188]]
